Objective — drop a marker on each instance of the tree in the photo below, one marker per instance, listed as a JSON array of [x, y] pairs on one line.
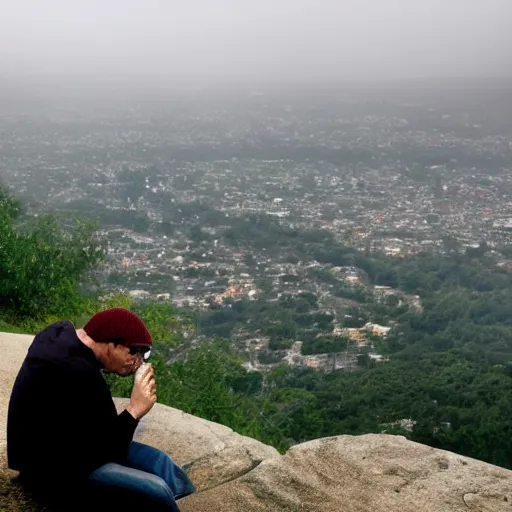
[[9, 204]]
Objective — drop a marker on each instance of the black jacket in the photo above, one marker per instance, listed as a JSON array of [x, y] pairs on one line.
[[62, 423]]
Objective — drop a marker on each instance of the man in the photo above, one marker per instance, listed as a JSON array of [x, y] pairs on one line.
[[64, 435]]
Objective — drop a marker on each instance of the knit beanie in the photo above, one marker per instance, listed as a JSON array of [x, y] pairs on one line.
[[118, 325]]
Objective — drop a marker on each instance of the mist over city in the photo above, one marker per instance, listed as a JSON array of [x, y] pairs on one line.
[[308, 202]]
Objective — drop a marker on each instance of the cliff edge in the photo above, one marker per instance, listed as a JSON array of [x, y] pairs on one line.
[[370, 473]]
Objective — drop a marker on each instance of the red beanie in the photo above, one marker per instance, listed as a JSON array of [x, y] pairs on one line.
[[118, 325]]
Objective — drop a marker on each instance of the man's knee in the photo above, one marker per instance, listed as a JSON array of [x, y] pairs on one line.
[[159, 486], [159, 495], [150, 489]]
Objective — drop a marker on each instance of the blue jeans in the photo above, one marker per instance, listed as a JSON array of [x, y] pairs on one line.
[[149, 477]]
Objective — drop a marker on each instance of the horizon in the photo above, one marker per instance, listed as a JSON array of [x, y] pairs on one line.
[[233, 41]]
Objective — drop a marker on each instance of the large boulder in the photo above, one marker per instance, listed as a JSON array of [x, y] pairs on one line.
[[371, 473]]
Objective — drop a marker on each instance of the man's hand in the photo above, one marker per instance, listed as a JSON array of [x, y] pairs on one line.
[[143, 394]]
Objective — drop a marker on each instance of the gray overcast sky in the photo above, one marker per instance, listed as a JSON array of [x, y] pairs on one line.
[[256, 39]]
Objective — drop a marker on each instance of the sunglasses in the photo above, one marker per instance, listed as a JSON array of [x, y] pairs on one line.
[[145, 352]]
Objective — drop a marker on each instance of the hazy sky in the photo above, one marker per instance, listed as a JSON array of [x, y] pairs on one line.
[[255, 39]]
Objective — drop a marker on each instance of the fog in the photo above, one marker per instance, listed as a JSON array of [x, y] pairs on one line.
[[270, 40]]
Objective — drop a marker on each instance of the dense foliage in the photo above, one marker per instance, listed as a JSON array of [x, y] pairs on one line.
[[450, 371], [42, 265]]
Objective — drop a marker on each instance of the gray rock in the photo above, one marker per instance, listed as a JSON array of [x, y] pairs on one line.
[[370, 473]]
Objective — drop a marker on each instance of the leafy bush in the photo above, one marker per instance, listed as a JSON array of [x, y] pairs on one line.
[[41, 264]]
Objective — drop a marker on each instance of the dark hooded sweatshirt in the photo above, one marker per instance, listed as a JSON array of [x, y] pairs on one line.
[[62, 422]]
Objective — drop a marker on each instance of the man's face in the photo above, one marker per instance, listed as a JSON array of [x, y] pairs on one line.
[[117, 359]]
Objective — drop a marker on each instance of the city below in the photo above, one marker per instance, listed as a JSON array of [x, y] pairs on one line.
[[209, 201]]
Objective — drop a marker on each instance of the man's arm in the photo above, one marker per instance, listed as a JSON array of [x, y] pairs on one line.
[[122, 435], [142, 399]]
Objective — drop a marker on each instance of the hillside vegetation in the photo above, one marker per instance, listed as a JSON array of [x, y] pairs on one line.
[[449, 371]]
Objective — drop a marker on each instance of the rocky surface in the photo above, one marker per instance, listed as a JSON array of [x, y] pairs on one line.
[[213, 453], [13, 348], [371, 473]]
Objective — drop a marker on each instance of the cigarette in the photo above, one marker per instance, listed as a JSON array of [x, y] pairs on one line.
[[141, 371]]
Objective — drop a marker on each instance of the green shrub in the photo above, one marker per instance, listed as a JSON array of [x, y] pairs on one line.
[[42, 265]]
